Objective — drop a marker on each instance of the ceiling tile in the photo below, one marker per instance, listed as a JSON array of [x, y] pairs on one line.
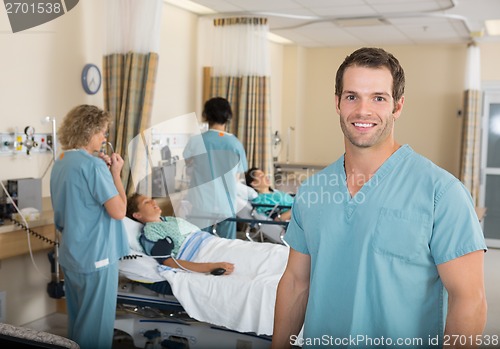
[[431, 28]]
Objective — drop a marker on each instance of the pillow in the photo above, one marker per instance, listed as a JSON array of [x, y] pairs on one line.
[[141, 269], [245, 192], [133, 229]]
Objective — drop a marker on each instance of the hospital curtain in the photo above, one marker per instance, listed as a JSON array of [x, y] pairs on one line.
[[129, 68], [471, 131], [241, 73]]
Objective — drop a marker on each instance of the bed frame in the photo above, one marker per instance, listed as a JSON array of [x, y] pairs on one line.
[[157, 320]]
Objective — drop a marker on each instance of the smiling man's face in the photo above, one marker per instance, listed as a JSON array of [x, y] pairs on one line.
[[366, 107]]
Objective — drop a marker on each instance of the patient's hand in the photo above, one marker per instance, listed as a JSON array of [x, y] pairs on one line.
[[228, 266], [284, 217]]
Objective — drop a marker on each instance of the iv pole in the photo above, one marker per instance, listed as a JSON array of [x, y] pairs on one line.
[[55, 287]]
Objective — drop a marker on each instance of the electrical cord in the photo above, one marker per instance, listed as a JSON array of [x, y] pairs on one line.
[[34, 233], [135, 256]]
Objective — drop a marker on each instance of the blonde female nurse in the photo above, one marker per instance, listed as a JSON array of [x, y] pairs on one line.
[[89, 202]]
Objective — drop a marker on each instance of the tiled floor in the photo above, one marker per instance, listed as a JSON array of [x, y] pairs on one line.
[[53, 323]]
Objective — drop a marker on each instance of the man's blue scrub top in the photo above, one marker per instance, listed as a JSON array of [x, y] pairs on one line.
[[374, 256]]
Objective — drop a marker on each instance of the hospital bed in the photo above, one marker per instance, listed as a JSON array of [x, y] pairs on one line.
[[259, 225], [157, 320], [158, 305]]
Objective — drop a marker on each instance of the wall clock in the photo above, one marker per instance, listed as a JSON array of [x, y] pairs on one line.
[[91, 78]]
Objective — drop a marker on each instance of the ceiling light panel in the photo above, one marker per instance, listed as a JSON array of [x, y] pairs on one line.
[[493, 27]]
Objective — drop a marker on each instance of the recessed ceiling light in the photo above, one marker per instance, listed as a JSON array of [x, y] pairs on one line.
[[190, 6], [493, 26], [278, 39]]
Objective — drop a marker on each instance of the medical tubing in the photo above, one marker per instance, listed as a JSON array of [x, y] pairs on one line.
[[26, 227], [134, 256], [183, 268]]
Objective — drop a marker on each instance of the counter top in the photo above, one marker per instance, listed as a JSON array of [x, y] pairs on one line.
[[14, 238], [46, 218]]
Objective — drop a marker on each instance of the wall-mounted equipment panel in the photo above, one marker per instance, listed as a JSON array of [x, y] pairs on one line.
[[14, 143]]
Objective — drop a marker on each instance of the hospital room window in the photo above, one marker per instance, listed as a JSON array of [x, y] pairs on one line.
[[490, 167]]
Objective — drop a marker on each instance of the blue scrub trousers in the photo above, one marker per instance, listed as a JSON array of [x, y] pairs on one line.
[[91, 306]]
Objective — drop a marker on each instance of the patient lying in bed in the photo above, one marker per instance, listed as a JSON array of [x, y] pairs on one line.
[[242, 300], [162, 236], [258, 180]]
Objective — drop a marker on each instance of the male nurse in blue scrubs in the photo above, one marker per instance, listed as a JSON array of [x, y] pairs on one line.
[[386, 248]]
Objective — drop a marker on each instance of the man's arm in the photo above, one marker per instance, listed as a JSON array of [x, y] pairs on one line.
[[291, 299], [463, 278]]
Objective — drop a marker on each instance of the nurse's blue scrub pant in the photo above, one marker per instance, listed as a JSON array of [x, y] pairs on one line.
[[91, 306]]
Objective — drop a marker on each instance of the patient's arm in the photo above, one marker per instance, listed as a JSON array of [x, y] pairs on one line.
[[291, 299], [164, 249], [200, 267], [285, 216]]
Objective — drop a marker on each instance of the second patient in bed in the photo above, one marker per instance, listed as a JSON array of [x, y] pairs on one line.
[[258, 180], [163, 236]]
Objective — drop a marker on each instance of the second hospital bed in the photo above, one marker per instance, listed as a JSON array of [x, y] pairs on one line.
[[259, 225], [238, 308]]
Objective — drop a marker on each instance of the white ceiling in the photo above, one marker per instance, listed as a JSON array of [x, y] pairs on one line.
[[317, 23]]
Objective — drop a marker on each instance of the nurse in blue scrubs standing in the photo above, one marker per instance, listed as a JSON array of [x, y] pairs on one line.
[[89, 202], [217, 160]]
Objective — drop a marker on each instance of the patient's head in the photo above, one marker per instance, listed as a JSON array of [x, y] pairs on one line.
[[143, 209], [257, 179], [217, 110]]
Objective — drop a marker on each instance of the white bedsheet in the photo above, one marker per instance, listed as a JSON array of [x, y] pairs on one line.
[[243, 301]]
